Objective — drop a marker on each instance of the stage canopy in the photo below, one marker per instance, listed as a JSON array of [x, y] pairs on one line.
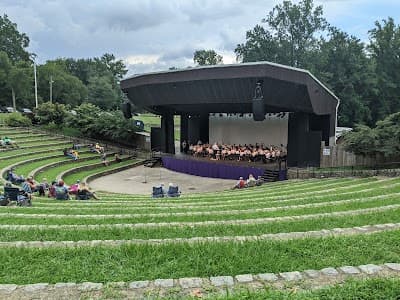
[[196, 92], [230, 88]]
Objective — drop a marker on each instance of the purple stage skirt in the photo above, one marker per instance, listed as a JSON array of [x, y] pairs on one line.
[[210, 169]]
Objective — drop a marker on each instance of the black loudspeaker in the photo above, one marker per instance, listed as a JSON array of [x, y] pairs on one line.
[[258, 109], [126, 110]]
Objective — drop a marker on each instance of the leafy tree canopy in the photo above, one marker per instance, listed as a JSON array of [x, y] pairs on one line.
[[291, 30], [207, 57], [51, 113], [12, 41], [384, 138]]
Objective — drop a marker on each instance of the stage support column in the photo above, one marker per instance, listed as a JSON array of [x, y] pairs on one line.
[[184, 129], [167, 126], [304, 145], [204, 128]]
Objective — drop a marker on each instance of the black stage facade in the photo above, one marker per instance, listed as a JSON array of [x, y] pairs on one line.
[[251, 88]]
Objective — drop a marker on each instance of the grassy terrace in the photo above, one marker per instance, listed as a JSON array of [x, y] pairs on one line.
[[83, 174], [25, 169], [104, 264], [372, 289], [282, 207], [14, 152]]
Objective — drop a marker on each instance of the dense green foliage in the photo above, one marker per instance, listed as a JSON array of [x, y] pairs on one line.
[[364, 77], [17, 120], [51, 113], [93, 80], [207, 57], [383, 139], [93, 122], [12, 42]]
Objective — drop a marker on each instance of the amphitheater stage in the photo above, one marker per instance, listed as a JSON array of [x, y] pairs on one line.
[[219, 169]]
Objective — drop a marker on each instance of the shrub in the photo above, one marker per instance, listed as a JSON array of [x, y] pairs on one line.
[[51, 113], [17, 120]]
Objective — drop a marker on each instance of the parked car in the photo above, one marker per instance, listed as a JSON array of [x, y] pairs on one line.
[[26, 111], [9, 109]]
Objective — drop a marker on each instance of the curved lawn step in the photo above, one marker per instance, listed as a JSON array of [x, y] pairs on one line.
[[4, 170], [89, 167], [56, 154], [35, 145], [47, 150], [204, 287], [243, 211], [26, 136], [31, 140], [367, 229], [68, 160], [22, 150], [188, 223], [112, 171]]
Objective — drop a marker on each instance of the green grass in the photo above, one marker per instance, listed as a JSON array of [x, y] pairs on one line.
[[151, 120], [6, 154], [184, 231], [72, 216], [9, 162], [83, 174], [140, 262], [53, 172], [368, 289], [25, 169]]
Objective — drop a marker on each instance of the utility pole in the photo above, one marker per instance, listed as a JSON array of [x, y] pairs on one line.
[[34, 72], [51, 88]]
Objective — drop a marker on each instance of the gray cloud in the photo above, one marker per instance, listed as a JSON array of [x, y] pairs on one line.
[[152, 35]]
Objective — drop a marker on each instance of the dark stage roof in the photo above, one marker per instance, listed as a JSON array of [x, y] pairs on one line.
[[230, 89]]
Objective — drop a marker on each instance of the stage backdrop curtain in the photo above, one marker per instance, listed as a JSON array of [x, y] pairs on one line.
[[210, 169]]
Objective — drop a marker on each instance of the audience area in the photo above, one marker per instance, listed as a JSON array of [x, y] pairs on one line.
[[25, 170]]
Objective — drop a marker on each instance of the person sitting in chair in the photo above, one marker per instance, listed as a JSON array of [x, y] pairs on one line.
[[173, 191], [14, 178]]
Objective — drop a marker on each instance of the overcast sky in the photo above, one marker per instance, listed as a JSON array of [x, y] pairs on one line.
[[153, 35]]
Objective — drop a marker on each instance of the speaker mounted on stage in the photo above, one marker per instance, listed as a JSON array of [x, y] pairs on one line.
[[126, 109], [258, 103]]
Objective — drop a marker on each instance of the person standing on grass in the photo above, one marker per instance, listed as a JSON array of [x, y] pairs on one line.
[[104, 159]]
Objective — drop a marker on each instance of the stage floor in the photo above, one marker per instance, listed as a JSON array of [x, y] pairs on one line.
[[140, 180]]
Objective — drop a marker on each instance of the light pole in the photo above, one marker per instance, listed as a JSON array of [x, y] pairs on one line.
[[34, 72], [51, 88]]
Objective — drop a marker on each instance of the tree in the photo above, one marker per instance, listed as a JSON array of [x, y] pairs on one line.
[[84, 118], [19, 81], [66, 88], [12, 41], [383, 139], [343, 65], [207, 57], [115, 67], [385, 51], [102, 94], [290, 33]]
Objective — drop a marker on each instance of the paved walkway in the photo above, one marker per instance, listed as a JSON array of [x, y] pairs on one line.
[[140, 180]]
